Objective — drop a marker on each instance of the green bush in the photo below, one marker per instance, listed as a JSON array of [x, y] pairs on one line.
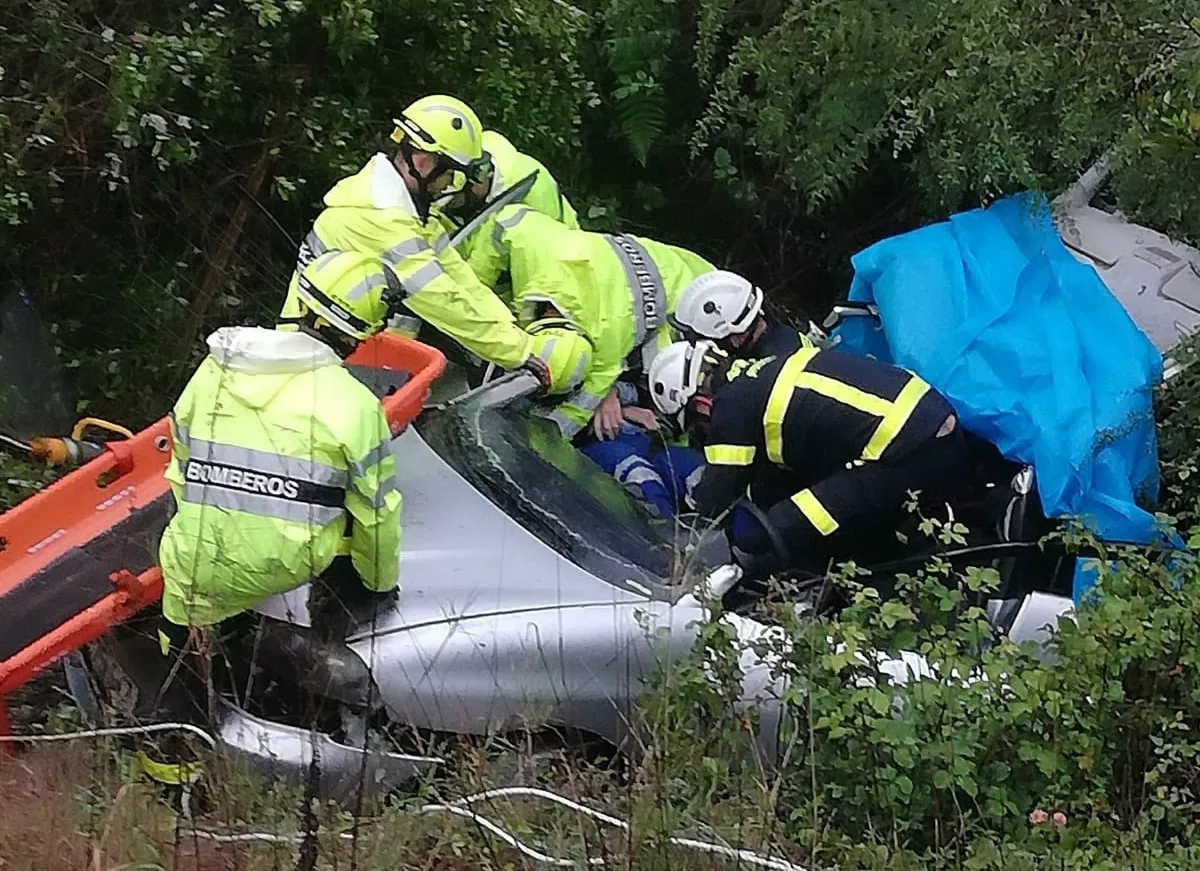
[[952, 763]]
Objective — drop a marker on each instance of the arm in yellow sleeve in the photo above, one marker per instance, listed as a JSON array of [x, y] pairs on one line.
[[445, 292], [374, 501]]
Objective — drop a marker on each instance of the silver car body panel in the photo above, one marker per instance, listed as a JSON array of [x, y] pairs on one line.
[[1155, 278], [286, 753]]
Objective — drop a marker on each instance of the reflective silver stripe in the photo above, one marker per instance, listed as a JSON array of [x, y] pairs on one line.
[[626, 465], [547, 351], [407, 248], [315, 244], [360, 290], [690, 484], [650, 350], [580, 371], [429, 272], [529, 307], [267, 463], [583, 399], [378, 498], [649, 296], [567, 426], [441, 243], [373, 458], [310, 249], [405, 325], [506, 224], [642, 475], [181, 432], [260, 505]]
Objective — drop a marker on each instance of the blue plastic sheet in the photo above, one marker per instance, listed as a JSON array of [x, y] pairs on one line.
[[1032, 350]]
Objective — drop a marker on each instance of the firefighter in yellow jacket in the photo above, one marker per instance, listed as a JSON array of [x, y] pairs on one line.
[[385, 210], [278, 448], [618, 289]]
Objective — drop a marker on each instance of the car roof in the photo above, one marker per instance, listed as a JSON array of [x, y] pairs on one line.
[[1156, 278]]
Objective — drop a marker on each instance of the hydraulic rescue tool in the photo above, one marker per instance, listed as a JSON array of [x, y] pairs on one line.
[[68, 452]]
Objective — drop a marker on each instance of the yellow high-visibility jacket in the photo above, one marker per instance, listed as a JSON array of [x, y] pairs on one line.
[[275, 442], [618, 289], [511, 165]]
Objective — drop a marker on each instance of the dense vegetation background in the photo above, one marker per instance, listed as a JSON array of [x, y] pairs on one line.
[[156, 159]]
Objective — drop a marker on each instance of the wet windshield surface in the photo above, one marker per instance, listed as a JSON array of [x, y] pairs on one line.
[[523, 465]]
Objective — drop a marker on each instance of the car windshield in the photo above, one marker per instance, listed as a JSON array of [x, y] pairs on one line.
[[523, 465]]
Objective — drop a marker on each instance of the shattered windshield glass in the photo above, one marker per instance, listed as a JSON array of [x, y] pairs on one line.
[[524, 466]]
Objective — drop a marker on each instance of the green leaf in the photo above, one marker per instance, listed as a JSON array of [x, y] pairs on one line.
[[880, 701], [893, 612]]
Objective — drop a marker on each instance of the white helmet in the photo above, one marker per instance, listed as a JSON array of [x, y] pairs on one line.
[[675, 376], [718, 304]]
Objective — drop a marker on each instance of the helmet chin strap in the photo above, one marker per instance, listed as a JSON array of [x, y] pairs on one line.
[[423, 198], [695, 418]]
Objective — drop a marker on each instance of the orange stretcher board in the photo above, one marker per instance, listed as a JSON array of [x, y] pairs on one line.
[[80, 556]]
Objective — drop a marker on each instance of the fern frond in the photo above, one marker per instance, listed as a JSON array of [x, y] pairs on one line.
[[641, 110]]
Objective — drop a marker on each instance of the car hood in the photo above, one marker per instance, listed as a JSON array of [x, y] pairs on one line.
[[498, 520]]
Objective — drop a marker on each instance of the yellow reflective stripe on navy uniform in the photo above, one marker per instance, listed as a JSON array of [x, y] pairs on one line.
[[892, 414], [816, 513], [777, 402], [898, 415], [730, 455]]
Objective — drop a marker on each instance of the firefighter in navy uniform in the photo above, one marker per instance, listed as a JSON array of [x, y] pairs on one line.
[[845, 436], [727, 309]]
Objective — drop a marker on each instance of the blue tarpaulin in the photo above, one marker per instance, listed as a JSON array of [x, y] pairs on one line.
[[1032, 350]]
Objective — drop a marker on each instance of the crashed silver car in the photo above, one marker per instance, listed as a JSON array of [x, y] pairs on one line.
[[538, 594]]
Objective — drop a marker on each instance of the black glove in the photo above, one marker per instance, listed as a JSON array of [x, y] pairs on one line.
[[757, 566], [539, 368]]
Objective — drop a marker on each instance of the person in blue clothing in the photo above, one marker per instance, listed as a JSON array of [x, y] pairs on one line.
[[643, 459], [727, 309]]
